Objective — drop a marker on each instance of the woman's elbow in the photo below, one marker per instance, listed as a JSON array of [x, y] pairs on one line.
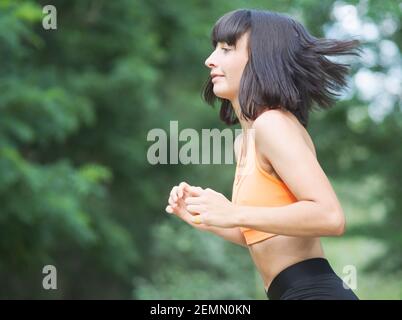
[[337, 224]]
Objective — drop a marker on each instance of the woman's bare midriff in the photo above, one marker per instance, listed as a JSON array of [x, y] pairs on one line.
[[275, 254]]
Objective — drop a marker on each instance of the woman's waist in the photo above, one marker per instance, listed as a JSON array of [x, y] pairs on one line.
[[275, 254]]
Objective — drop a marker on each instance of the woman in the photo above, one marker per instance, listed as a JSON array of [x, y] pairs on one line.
[[267, 70]]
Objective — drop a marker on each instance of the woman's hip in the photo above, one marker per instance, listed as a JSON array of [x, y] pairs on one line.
[[311, 279]]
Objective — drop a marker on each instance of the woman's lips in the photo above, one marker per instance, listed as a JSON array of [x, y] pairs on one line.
[[216, 77]]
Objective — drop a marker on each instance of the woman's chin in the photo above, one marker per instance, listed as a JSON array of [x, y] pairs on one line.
[[221, 93]]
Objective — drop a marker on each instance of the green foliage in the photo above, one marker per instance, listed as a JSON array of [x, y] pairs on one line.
[[77, 191]]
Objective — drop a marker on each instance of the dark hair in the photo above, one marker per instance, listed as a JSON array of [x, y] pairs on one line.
[[287, 68]]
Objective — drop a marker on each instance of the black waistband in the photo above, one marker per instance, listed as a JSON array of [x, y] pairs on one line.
[[302, 270]]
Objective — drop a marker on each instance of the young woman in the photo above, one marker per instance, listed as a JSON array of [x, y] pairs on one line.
[[267, 71]]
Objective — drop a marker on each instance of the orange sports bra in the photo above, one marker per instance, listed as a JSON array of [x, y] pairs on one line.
[[253, 186]]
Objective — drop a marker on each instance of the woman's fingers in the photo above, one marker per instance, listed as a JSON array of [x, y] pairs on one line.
[[178, 191], [181, 188], [194, 200], [195, 209], [187, 217], [173, 210], [174, 193], [194, 191], [186, 194], [180, 212], [171, 202], [197, 219], [184, 201], [179, 200]]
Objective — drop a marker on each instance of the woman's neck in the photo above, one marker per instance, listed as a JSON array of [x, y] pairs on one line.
[[245, 124]]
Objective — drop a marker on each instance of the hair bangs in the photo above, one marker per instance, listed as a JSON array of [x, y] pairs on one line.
[[230, 27]]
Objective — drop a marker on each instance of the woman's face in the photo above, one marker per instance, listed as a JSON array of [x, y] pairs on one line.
[[227, 64]]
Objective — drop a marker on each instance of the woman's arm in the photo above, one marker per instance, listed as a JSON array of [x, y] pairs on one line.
[[318, 211], [299, 219], [230, 234]]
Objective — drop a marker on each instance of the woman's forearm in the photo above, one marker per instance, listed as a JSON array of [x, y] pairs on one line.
[[302, 218], [231, 234]]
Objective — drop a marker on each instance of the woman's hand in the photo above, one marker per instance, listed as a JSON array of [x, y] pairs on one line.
[[212, 207], [177, 206]]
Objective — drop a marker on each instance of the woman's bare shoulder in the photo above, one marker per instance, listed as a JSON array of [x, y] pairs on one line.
[[286, 121]]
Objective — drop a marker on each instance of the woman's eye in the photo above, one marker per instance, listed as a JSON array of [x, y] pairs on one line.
[[225, 49]]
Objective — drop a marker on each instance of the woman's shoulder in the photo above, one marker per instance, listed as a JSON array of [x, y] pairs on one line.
[[271, 116], [276, 122], [272, 124]]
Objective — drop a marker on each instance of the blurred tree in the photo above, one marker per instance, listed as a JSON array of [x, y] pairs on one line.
[[76, 188]]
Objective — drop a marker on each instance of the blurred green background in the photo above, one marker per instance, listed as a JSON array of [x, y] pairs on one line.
[[77, 191]]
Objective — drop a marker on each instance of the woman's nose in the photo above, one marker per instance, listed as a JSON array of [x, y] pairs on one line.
[[209, 62]]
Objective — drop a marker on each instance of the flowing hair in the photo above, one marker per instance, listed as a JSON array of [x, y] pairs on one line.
[[287, 68]]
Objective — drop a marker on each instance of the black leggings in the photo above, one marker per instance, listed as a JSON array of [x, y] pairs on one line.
[[311, 279]]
